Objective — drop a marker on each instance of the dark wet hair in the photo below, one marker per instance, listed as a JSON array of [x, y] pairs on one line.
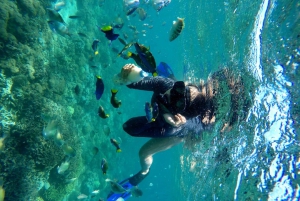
[[197, 105]]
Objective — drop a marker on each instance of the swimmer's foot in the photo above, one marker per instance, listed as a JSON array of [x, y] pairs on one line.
[[137, 178]]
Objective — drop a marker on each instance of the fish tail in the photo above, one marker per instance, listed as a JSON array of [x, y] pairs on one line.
[[96, 52], [129, 54], [98, 76], [114, 91], [107, 115], [155, 74], [119, 150]]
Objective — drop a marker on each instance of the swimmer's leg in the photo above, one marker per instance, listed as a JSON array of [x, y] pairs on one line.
[[150, 148]]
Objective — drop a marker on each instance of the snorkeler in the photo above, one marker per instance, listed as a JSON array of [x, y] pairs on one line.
[[184, 110]]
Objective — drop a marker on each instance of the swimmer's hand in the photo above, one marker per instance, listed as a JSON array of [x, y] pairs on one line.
[[174, 120]]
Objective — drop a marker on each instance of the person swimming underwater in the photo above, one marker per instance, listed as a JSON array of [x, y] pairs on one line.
[[184, 110]]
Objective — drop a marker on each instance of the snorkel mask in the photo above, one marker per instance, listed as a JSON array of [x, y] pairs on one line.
[[177, 97]]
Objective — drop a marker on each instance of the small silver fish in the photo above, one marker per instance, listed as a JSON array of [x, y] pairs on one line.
[[96, 192], [50, 130], [70, 180], [82, 196], [63, 167], [58, 27]]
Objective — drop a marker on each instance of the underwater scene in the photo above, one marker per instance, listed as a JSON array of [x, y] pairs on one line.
[[72, 106]]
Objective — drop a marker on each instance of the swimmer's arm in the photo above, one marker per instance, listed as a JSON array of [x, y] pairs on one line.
[[155, 84]]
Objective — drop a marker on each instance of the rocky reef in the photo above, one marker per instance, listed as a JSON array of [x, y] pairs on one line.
[[38, 73]]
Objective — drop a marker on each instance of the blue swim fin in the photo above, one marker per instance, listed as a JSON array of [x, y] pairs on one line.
[[165, 70], [126, 185]]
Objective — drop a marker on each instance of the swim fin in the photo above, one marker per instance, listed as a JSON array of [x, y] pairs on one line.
[[127, 184]]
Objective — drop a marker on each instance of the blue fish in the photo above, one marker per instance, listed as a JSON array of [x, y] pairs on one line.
[[109, 33], [99, 87], [147, 59], [165, 70], [151, 112]]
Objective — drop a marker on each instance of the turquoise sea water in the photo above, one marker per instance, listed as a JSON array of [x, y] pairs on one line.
[[258, 159]]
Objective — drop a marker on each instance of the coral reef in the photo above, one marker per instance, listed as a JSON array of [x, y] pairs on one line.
[[38, 72]]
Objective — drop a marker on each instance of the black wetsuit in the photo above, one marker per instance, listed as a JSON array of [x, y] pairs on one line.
[[139, 126]]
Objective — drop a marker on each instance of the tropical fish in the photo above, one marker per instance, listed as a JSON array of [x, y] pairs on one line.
[[176, 28], [130, 11], [149, 112], [55, 16], [82, 34], [102, 113], [99, 87], [165, 70], [109, 34], [116, 144], [147, 59], [63, 167], [122, 41], [50, 130], [159, 4], [67, 181], [96, 192], [131, 3], [58, 27], [74, 17], [142, 14], [115, 187], [124, 56], [104, 166], [95, 46], [59, 5], [2, 191], [125, 47], [58, 140], [137, 59], [106, 130], [113, 100], [68, 150], [82, 196]]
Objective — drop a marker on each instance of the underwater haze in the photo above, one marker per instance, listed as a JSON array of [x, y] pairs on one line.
[[52, 140]]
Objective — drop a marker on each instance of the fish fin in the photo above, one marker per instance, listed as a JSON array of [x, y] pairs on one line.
[[155, 74], [129, 54], [114, 91], [96, 52], [98, 76], [119, 150]]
